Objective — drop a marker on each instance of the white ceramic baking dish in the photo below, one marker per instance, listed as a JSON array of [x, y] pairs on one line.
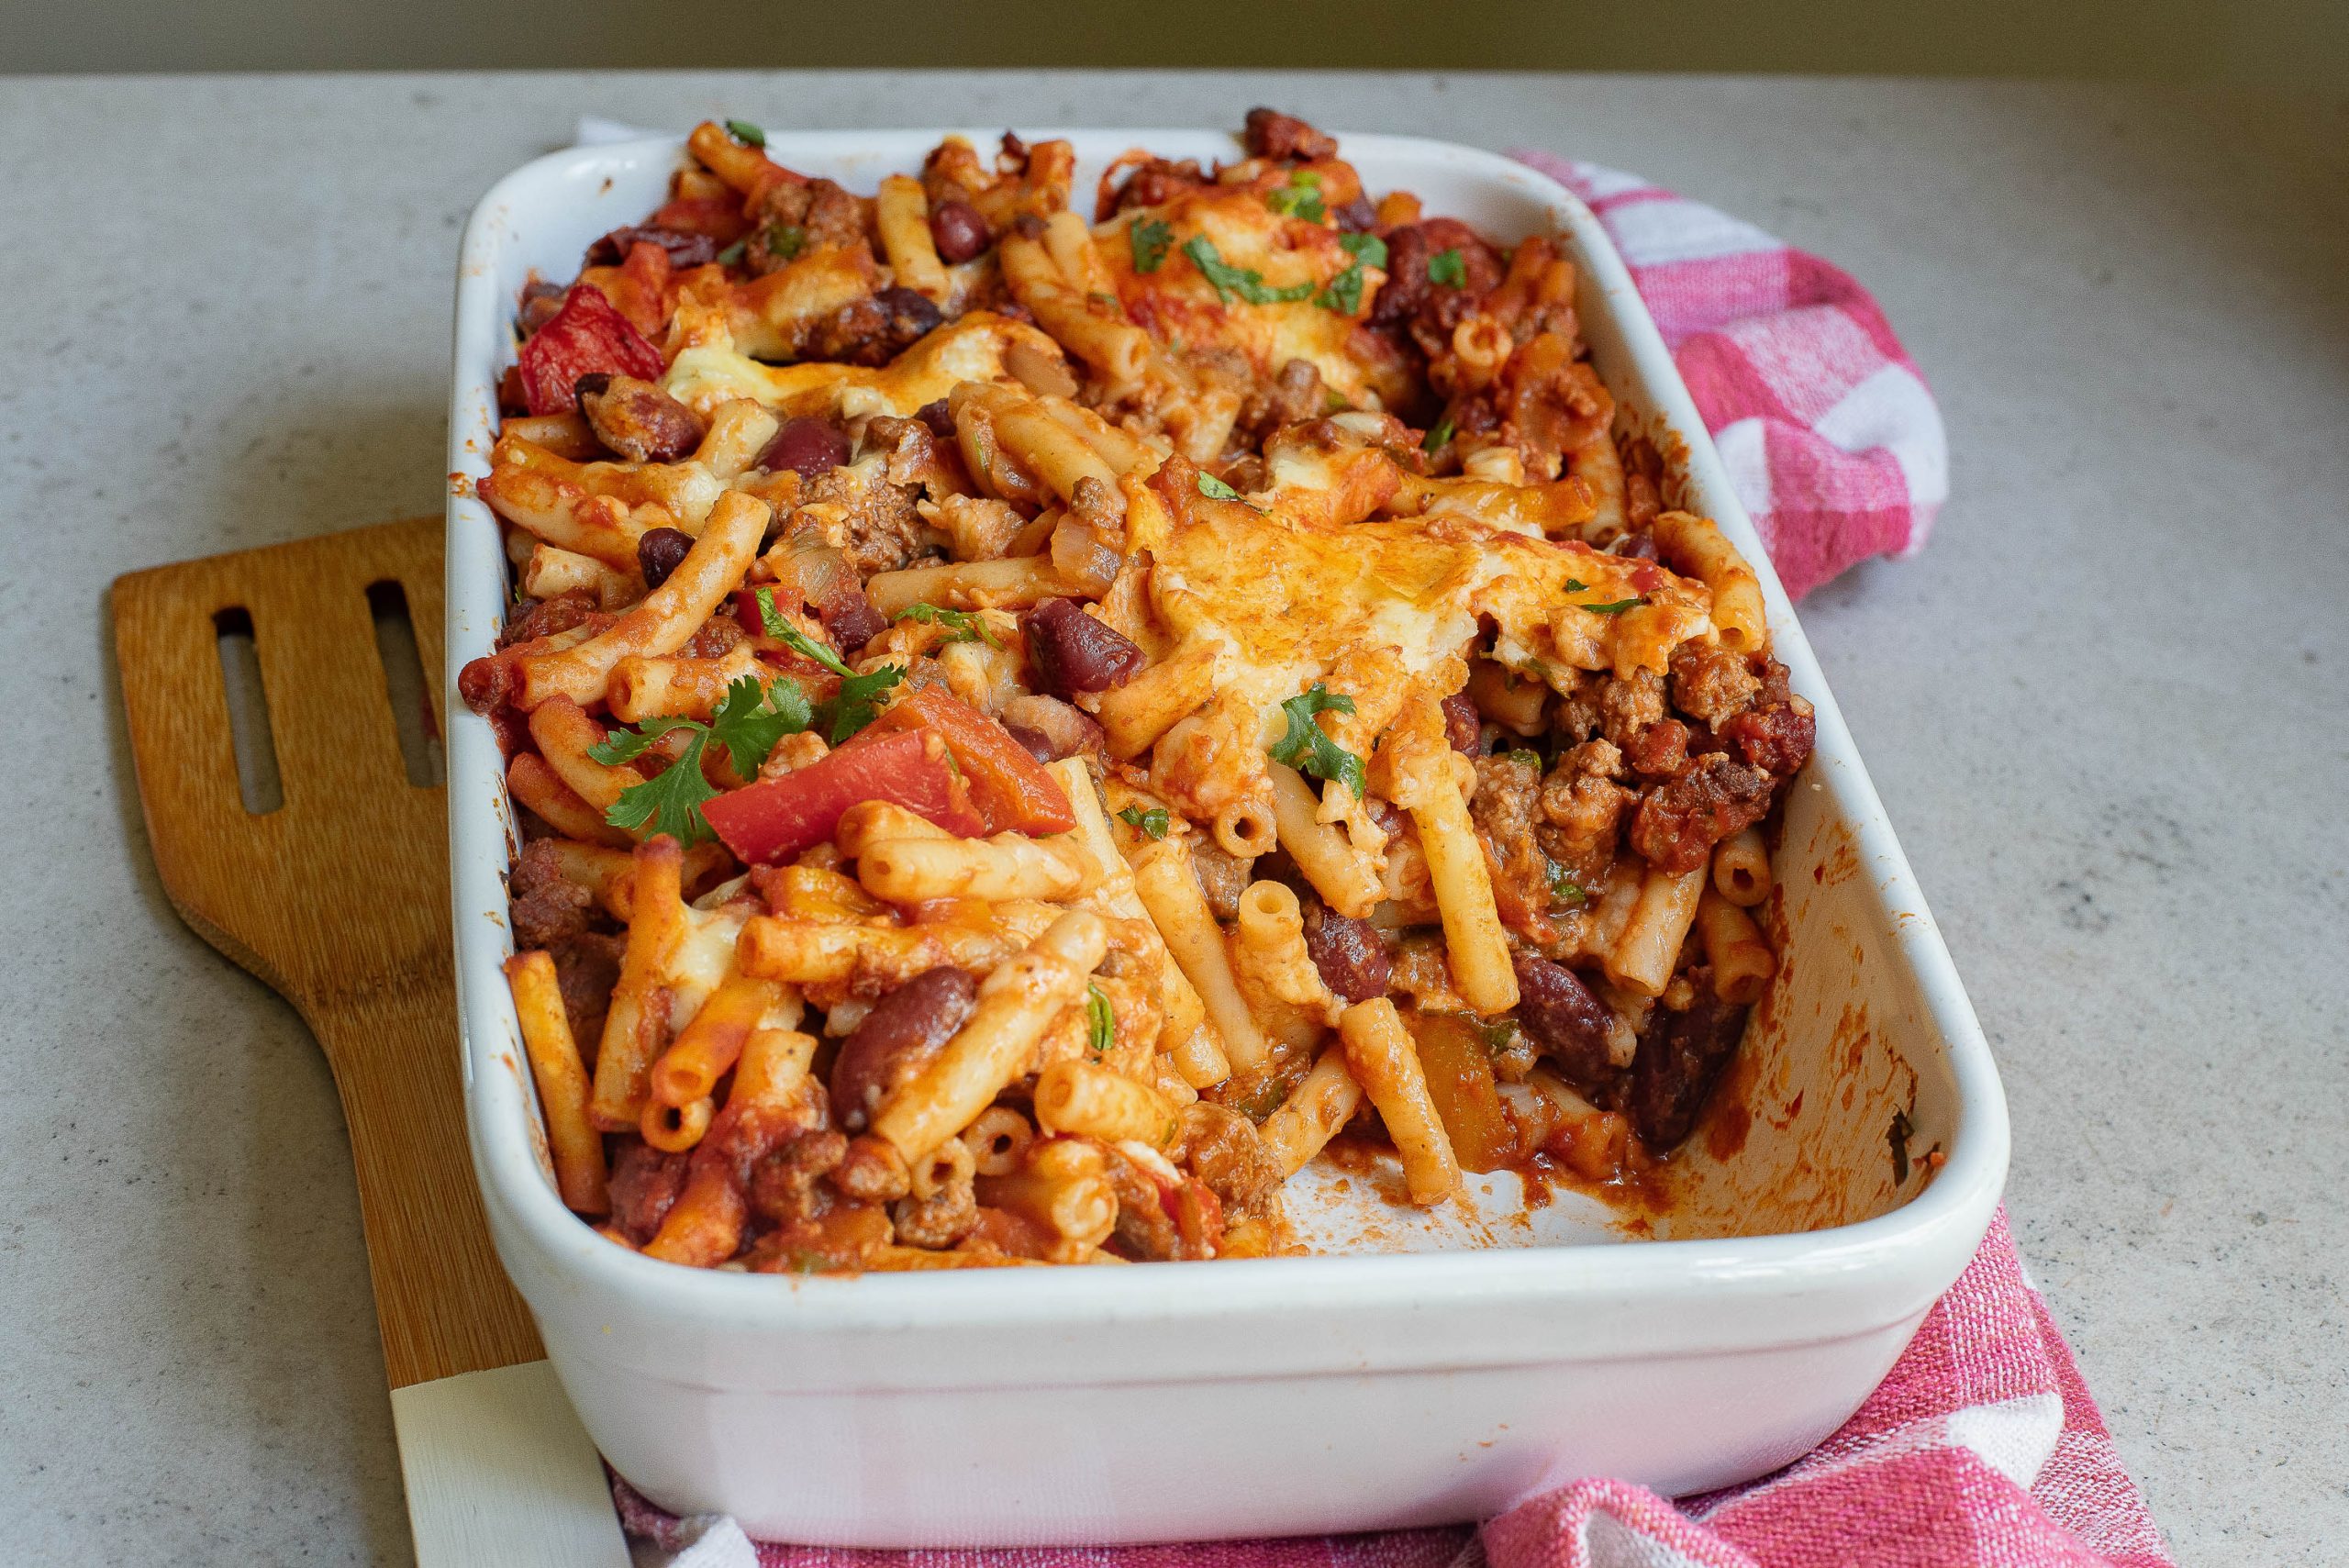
[[1431, 1370]]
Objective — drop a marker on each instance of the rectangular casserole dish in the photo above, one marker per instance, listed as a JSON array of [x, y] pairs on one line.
[[1424, 1370]]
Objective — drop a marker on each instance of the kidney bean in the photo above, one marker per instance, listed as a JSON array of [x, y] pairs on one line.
[[1353, 961], [938, 418], [897, 1039], [1463, 725], [1564, 1020], [1038, 744], [662, 551], [1356, 217], [1059, 729], [909, 315], [849, 616], [636, 419], [808, 446], [1681, 1058], [1072, 651], [958, 231], [685, 248]]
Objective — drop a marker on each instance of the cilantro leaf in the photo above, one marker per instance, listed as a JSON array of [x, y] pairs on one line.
[[1565, 889], [1616, 608], [732, 255], [1149, 239], [854, 706], [1215, 489], [749, 720], [748, 723], [1101, 1020], [1525, 755], [671, 802], [798, 641], [622, 746], [1245, 282], [1439, 436], [1576, 586], [1448, 267], [1308, 747], [1343, 292], [962, 626], [1155, 821], [746, 133], [1301, 197]]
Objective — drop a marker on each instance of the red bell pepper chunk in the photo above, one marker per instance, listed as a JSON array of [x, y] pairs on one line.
[[588, 336], [780, 816], [1011, 788]]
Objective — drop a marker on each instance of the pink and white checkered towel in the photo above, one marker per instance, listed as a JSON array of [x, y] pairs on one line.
[[1982, 1449], [1825, 426]]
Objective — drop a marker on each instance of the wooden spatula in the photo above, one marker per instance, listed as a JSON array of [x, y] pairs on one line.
[[338, 899]]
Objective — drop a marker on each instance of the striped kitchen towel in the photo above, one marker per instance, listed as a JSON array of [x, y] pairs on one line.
[[1824, 424], [1982, 1449]]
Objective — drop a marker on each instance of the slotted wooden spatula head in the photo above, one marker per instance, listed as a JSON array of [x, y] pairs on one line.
[[338, 898]]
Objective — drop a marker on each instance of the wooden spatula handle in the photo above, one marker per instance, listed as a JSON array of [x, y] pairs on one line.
[[440, 1295]]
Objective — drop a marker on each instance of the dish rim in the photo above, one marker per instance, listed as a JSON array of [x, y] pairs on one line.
[[1956, 1205]]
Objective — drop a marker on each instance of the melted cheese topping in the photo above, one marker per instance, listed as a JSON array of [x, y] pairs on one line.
[[1282, 595], [1179, 308], [710, 370]]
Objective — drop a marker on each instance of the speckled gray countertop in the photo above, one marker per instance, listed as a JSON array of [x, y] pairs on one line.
[[2107, 709]]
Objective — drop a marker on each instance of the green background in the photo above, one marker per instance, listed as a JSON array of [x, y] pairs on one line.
[[2248, 42]]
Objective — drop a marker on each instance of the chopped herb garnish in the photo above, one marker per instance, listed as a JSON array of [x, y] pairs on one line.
[[1616, 609], [1101, 1020], [1245, 282], [1301, 197], [1215, 489], [856, 705], [1565, 889], [1497, 1036], [1155, 821], [1525, 755], [1149, 238], [1439, 436], [1448, 267], [1343, 292], [1367, 248], [961, 626], [670, 802], [1308, 747], [1576, 586], [786, 240], [732, 255], [749, 721], [746, 133]]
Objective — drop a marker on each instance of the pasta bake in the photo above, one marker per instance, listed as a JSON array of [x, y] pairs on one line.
[[1032, 713]]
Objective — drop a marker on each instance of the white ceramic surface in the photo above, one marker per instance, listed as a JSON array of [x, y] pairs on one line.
[[1264, 1397]]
